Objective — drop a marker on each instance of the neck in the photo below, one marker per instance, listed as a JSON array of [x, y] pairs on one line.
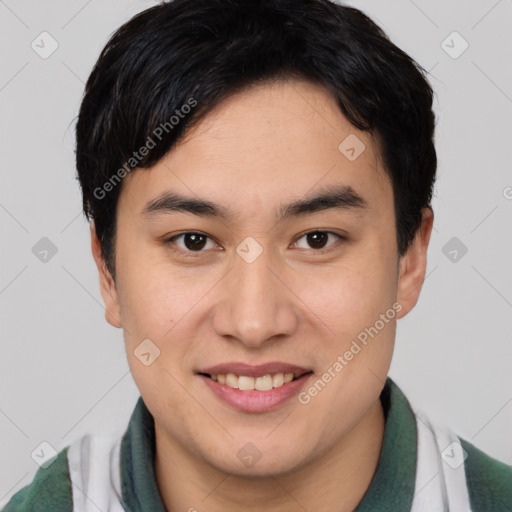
[[337, 480]]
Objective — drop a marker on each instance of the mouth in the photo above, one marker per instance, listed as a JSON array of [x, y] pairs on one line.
[[255, 388], [249, 383]]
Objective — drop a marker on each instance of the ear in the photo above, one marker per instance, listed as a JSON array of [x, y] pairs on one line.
[[107, 283], [413, 265]]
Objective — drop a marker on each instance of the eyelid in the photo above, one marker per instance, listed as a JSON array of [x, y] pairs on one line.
[[318, 230], [171, 240]]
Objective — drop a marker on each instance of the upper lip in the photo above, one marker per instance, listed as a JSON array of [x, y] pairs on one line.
[[254, 370]]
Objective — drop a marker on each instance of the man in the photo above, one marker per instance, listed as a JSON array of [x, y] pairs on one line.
[[259, 176]]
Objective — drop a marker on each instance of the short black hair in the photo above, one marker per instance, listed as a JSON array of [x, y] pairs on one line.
[[196, 53]]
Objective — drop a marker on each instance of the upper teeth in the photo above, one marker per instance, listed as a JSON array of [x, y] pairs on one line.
[[246, 383]]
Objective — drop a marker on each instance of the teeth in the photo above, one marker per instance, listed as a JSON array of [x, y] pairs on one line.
[[246, 383], [231, 380], [277, 380], [264, 383]]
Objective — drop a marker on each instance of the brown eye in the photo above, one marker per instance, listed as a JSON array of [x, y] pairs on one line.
[[194, 241], [190, 241], [318, 239]]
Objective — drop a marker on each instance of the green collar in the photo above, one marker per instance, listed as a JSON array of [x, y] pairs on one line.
[[391, 488], [392, 485]]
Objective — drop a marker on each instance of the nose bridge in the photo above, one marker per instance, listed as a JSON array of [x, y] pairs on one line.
[[257, 306]]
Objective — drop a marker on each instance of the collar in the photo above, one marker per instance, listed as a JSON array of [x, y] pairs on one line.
[[391, 488]]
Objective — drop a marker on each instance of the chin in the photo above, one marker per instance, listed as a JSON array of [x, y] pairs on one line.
[[252, 462]]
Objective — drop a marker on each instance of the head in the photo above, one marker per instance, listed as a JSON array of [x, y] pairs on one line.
[[258, 176]]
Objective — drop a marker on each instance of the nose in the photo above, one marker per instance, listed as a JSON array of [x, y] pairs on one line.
[[257, 305]]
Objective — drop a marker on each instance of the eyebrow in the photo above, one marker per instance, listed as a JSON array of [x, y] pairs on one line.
[[330, 197]]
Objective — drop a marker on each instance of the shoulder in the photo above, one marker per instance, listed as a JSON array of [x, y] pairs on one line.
[[489, 481], [467, 478], [91, 464], [49, 490]]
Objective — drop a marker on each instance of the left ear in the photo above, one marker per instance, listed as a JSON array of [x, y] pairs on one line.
[[413, 265]]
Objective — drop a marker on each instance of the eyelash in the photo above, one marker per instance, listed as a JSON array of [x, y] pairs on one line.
[[172, 241]]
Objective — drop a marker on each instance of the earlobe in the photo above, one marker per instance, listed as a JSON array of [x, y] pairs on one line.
[[107, 284], [413, 265]]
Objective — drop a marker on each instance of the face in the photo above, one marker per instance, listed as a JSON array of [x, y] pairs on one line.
[[262, 281]]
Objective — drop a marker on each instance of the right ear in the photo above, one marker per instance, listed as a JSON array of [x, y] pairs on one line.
[[107, 283]]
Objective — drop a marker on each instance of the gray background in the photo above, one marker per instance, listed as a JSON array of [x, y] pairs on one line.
[[63, 370]]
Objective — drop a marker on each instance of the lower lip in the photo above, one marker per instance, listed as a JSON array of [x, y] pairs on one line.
[[257, 401]]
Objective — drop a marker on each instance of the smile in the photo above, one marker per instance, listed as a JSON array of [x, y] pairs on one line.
[[248, 383], [255, 394]]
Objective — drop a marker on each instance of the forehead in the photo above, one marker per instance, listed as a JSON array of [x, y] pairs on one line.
[[270, 144]]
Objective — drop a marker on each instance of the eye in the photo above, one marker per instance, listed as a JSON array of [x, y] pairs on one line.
[[318, 239], [191, 241]]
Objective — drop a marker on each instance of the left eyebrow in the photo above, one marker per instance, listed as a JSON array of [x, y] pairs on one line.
[[330, 197]]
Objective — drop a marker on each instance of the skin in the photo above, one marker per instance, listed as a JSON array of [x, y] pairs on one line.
[[296, 303]]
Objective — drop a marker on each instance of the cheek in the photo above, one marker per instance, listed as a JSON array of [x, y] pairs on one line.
[[354, 293], [162, 302], [351, 302], [149, 295]]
